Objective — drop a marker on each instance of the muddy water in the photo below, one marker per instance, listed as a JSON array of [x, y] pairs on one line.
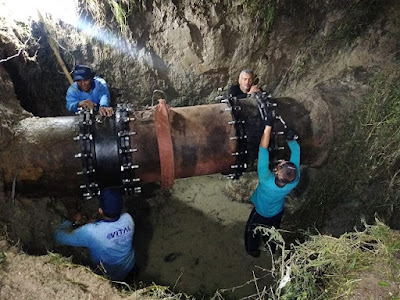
[[194, 242]]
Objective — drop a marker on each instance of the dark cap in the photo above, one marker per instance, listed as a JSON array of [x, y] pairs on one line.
[[111, 202], [288, 172], [82, 72]]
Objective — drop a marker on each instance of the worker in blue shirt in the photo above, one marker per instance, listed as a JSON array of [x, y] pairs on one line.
[[109, 239], [88, 91], [270, 194]]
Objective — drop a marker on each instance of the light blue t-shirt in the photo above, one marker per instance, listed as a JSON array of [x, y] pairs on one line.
[[109, 243], [99, 94], [268, 198]]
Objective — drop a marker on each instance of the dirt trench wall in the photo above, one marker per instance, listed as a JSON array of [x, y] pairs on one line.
[[189, 50]]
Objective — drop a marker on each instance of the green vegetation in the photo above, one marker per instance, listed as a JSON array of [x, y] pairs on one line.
[[364, 165], [163, 292], [59, 260], [267, 12], [264, 11], [379, 123], [362, 264], [357, 17], [325, 267], [120, 10], [3, 257], [307, 17], [120, 15]]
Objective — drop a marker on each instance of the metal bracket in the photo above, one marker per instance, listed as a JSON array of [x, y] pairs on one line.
[[122, 119], [240, 136], [87, 155]]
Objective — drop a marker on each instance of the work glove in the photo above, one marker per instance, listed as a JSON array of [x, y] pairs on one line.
[[291, 135], [269, 118]]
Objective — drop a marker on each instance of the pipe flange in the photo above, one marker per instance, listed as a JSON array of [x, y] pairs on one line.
[[240, 136], [87, 153], [126, 153]]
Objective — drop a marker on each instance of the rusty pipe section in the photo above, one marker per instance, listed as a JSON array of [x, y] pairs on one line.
[[201, 142], [43, 156]]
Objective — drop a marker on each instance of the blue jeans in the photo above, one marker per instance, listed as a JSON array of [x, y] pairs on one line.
[[251, 239]]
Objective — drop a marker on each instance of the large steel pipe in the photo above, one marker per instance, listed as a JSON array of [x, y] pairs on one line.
[[201, 141], [40, 158], [44, 156]]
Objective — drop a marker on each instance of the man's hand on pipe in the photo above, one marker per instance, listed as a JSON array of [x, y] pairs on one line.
[[106, 111], [88, 104]]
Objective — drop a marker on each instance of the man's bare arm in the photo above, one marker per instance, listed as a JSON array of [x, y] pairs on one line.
[[266, 137]]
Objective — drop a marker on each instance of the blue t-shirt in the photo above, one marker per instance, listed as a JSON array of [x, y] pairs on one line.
[[99, 94], [109, 243], [268, 198]]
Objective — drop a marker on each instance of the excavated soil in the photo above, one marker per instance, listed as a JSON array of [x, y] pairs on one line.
[[190, 239]]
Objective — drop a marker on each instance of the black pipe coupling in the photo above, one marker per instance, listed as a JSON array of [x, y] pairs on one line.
[[106, 153], [238, 122], [125, 151], [266, 106], [87, 153]]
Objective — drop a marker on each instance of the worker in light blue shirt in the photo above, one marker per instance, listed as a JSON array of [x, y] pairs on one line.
[[272, 189], [88, 91], [109, 239]]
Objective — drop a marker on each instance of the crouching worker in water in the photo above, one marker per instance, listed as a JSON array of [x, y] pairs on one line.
[[109, 239], [270, 194]]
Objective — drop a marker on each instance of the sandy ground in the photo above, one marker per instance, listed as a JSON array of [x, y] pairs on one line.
[[197, 244]]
